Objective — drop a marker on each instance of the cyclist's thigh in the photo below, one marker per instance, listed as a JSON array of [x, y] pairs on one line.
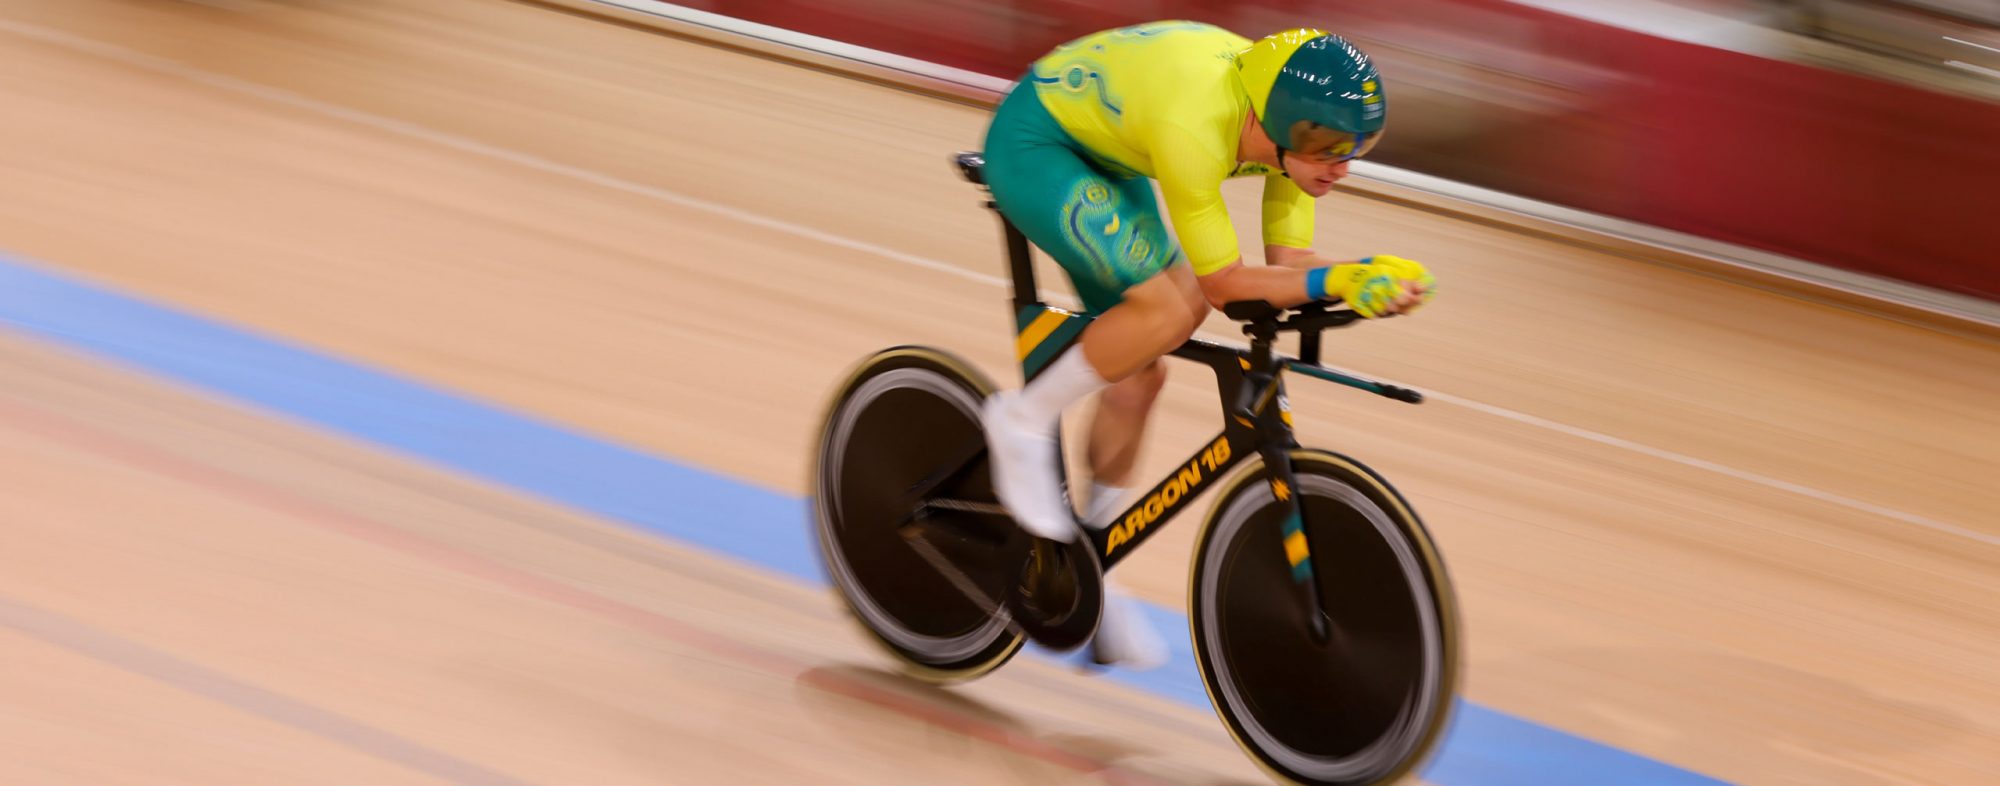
[[1105, 231]]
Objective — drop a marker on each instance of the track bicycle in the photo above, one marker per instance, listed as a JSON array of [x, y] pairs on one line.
[[1324, 624]]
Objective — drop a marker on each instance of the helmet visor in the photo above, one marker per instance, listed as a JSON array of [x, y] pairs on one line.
[[1328, 144]]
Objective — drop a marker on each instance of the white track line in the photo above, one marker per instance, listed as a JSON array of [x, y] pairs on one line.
[[1720, 469], [795, 40], [231, 84]]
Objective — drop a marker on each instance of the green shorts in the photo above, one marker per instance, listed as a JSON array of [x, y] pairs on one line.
[[1103, 229]]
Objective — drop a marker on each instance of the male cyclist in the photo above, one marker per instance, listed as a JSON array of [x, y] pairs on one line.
[[1068, 156]]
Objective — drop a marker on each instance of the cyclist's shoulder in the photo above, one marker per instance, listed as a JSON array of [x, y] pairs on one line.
[[1155, 42], [1175, 70], [1180, 31]]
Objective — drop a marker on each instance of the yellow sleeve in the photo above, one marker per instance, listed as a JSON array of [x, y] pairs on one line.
[[1190, 174], [1288, 214]]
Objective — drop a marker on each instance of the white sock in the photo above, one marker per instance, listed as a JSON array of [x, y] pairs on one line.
[[1021, 431], [1066, 381], [1105, 502], [1125, 637]]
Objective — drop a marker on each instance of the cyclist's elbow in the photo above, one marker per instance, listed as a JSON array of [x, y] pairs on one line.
[[1219, 296], [1224, 285]]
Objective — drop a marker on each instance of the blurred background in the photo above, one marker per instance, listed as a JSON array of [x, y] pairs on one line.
[[426, 390], [1730, 119]]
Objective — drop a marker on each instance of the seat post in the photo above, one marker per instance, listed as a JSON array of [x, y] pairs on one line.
[[1020, 263], [1263, 334]]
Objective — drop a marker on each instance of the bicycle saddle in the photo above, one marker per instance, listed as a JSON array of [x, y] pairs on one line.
[[972, 165]]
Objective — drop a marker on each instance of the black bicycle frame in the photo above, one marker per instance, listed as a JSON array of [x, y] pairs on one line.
[[1249, 383]]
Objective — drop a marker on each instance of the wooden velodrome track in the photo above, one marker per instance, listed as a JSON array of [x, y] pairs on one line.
[[1741, 533]]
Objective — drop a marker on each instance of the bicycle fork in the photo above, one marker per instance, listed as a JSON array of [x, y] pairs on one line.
[[1298, 552], [1269, 414]]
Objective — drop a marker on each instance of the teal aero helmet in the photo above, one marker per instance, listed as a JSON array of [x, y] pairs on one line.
[[1313, 90]]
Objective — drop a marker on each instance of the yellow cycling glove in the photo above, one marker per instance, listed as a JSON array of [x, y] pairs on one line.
[[1372, 284]]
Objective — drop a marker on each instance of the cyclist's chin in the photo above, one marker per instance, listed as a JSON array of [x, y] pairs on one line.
[[1316, 187]]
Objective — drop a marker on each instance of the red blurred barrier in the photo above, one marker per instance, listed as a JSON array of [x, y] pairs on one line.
[[1831, 167]]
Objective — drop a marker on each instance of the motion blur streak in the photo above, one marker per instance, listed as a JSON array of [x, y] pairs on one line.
[[608, 181], [1484, 747]]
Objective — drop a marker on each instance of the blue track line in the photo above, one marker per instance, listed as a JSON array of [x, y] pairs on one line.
[[758, 526]]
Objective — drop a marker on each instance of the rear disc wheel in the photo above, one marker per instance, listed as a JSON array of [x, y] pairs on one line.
[[901, 417]]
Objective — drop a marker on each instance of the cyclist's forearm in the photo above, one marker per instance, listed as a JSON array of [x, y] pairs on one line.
[[1283, 287], [1288, 256]]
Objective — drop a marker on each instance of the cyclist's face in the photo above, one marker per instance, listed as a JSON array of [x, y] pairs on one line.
[[1315, 174], [1325, 157]]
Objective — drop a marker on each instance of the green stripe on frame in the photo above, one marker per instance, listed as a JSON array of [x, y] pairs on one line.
[[1303, 570], [1027, 317], [1052, 346]]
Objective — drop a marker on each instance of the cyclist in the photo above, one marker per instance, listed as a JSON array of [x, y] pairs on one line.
[[1069, 154]]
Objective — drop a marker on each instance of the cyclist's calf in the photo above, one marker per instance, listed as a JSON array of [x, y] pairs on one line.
[[1136, 392], [1119, 423]]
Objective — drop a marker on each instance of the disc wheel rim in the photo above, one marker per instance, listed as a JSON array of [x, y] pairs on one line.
[[884, 610], [1307, 713]]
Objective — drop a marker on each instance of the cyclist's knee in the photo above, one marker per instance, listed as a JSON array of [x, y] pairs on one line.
[[1193, 304]]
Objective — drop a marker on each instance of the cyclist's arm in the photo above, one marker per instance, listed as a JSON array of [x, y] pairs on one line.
[[1210, 243], [1207, 235], [1283, 287], [1288, 256], [1291, 266], [1288, 224], [1302, 258], [1190, 176]]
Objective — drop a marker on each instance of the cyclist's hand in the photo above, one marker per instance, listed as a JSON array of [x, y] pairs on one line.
[[1382, 285], [1416, 282]]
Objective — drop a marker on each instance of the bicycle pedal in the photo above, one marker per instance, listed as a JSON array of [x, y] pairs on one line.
[[1058, 596]]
